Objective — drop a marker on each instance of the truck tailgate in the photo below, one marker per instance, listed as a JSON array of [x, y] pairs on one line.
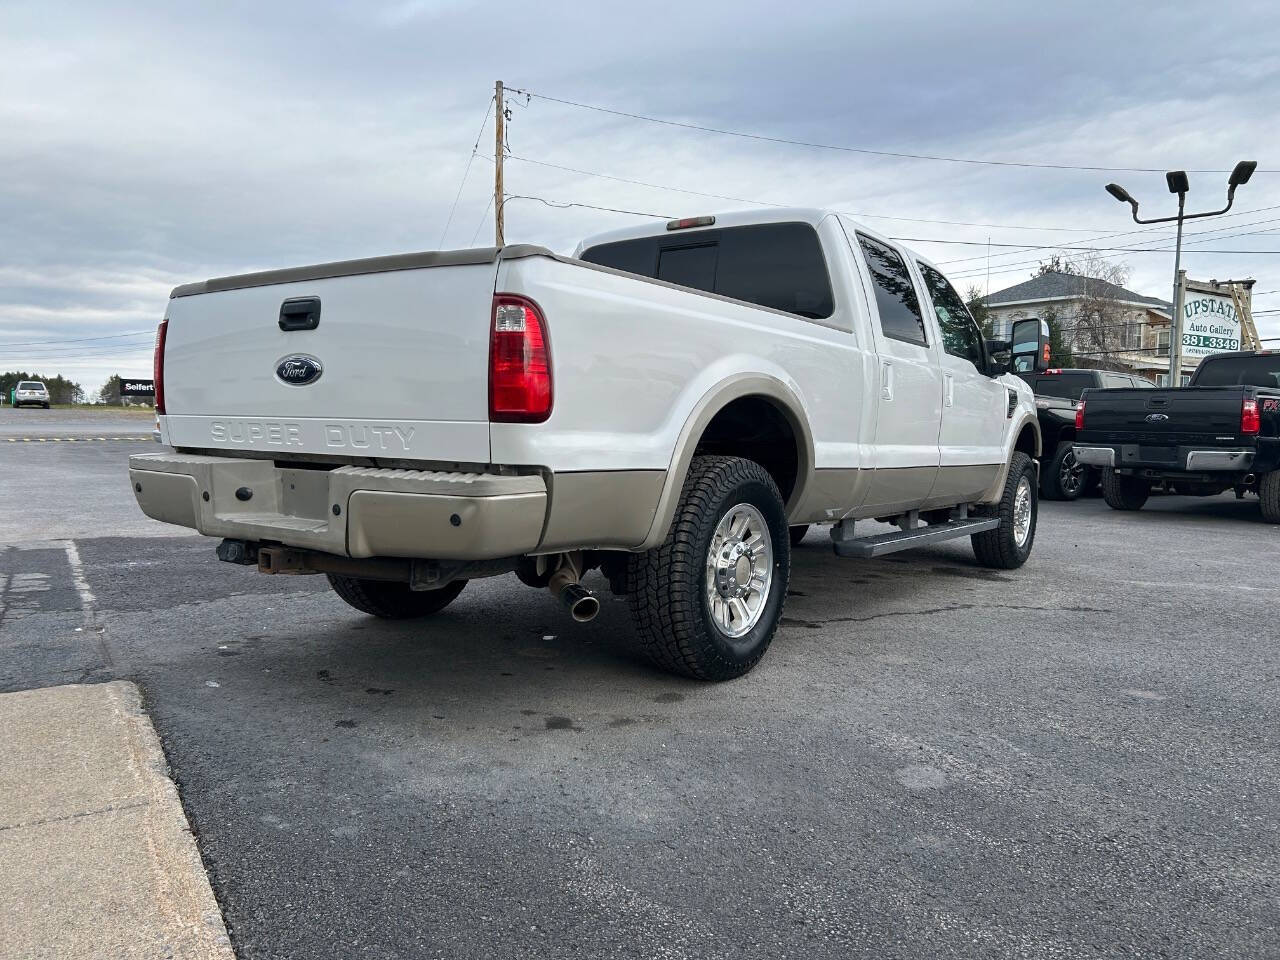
[[1163, 418], [402, 355]]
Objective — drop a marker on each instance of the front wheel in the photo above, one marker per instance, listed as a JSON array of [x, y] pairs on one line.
[[1124, 492], [1064, 475], [393, 601], [706, 603], [1008, 545]]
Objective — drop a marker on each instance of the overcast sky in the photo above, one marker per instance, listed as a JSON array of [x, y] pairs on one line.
[[145, 145]]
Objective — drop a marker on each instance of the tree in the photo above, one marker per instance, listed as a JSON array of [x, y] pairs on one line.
[[977, 304], [1060, 352], [110, 392], [1099, 327]]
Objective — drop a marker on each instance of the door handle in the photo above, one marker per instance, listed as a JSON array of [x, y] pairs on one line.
[[300, 313], [886, 380], [948, 389]]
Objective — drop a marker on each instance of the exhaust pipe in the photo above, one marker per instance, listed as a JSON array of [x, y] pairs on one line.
[[565, 586], [583, 606]]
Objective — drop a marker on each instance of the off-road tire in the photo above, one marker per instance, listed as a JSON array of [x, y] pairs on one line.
[[1124, 492], [1051, 485], [393, 601], [797, 534], [1269, 494], [667, 585], [999, 548]]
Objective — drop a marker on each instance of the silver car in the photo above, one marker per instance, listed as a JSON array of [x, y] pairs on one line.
[[31, 393]]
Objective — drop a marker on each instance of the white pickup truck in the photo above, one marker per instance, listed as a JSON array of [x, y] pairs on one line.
[[661, 406]]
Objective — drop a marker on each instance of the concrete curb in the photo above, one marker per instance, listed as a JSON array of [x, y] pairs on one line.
[[97, 856]]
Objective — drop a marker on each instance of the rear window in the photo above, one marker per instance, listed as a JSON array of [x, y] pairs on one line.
[[777, 265], [1066, 386], [1263, 371], [30, 385]]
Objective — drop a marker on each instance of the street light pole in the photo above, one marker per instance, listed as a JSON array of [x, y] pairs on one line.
[[1178, 183], [1175, 332]]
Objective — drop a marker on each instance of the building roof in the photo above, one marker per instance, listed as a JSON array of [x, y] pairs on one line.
[[1065, 286]]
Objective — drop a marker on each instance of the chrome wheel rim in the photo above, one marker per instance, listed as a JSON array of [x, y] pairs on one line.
[[739, 570], [1070, 473], [1022, 513]]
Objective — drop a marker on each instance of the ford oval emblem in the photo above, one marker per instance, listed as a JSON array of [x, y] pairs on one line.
[[1157, 417], [299, 370]]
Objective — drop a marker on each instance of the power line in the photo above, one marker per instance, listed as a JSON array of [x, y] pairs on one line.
[[983, 243], [470, 160], [113, 336], [479, 226], [848, 149], [769, 203], [588, 206], [1112, 236]]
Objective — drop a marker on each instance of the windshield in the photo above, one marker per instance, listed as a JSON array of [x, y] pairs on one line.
[[1259, 371], [30, 385]]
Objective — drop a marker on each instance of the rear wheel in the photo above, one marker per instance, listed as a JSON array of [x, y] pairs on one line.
[[1064, 476], [706, 603], [1124, 492], [1008, 545], [1269, 492], [393, 601]]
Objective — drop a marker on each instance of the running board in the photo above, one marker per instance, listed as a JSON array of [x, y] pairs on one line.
[[867, 547]]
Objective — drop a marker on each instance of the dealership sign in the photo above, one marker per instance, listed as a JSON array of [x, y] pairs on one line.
[[1210, 323], [143, 389]]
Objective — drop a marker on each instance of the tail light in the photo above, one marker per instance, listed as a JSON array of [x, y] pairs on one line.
[[519, 362], [157, 369], [1080, 416], [1250, 421]]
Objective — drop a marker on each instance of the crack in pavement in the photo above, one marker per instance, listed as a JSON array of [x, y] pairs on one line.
[[815, 624]]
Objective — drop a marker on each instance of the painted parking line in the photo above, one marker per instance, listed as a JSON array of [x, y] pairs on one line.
[[75, 439]]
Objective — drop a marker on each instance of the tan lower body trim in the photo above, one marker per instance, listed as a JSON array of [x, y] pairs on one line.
[[607, 509]]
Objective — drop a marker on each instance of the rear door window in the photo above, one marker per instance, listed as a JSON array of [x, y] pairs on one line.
[[776, 265], [896, 300]]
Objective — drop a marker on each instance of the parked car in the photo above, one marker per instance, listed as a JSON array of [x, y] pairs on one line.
[[1058, 390], [661, 406], [30, 393], [1218, 433]]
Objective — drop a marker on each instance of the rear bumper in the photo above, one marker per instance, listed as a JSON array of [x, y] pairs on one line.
[[348, 511], [1178, 459]]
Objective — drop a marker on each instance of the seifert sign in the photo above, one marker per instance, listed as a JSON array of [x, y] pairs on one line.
[[1210, 324]]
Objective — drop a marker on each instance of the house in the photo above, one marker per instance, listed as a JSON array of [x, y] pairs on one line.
[[1106, 325]]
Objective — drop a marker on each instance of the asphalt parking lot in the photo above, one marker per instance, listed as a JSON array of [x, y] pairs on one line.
[[1077, 759]]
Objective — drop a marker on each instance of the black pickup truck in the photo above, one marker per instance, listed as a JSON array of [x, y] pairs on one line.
[[1058, 391], [1218, 433]]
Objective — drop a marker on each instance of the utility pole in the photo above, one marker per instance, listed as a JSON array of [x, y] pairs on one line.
[[499, 119]]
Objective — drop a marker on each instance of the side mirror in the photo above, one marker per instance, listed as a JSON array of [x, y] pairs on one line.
[[1030, 345]]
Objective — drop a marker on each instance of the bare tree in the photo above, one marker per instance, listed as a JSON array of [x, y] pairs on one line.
[[1099, 326]]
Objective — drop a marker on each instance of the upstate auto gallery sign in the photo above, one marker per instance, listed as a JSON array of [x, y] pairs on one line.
[[1210, 323]]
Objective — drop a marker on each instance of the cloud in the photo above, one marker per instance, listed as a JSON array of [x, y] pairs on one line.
[[148, 144]]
